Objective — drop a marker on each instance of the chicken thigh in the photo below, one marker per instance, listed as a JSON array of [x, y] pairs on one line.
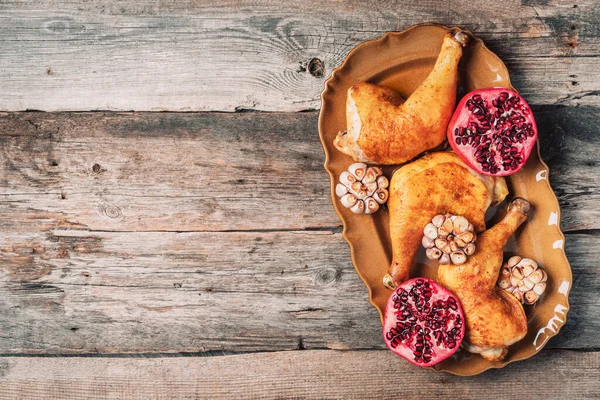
[[437, 183], [495, 319], [382, 128]]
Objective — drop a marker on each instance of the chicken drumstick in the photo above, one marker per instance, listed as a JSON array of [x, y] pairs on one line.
[[495, 319]]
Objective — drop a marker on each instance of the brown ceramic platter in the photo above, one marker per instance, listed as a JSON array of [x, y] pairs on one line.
[[401, 60]]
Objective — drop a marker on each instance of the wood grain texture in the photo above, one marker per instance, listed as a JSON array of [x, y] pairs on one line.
[[292, 375], [230, 55], [125, 233], [216, 172]]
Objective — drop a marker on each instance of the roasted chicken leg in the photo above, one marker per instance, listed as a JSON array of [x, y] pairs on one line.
[[437, 183], [495, 319], [382, 128]]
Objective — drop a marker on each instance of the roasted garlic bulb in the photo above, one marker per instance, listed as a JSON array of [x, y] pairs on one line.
[[449, 239], [523, 278], [362, 189]]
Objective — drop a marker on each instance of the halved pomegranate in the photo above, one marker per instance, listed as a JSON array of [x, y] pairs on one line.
[[424, 323], [493, 131]]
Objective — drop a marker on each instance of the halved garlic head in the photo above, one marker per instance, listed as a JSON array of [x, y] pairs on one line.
[[523, 278], [362, 189], [449, 239]]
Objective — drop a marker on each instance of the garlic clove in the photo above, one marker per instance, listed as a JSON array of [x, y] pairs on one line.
[[358, 170], [530, 298], [340, 190], [453, 245], [445, 259], [448, 225], [382, 182], [438, 220], [346, 178], [471, 228], [528, 266], [467, 237], [371, 174], [458, 257], [356, 186], [427, 243], [359, 190], [536, 276], [469, 249], [514, 281], [514, 260], [459, 242], [526, 285], [440, 243], [371, 188], [544, 276], [442, 232], [381, 196], [518, 295], [430, 231], [460, 225], [433, 253], [371, 206], [504, 283], [540, 288], [505, 272], [348, 200], [517, 273], [358, 208], [527, 269]]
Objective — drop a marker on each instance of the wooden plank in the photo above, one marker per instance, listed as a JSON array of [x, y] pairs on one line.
[[124, 292], [144, 232], [298, 374], [213, 171], [214, 55], [156, 171]]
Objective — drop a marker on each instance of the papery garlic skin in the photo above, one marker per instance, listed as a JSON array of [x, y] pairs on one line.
[[362, 189], [523, 278], [453, 237]]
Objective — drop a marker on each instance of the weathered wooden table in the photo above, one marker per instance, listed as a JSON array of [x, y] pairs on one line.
[[152, 254]]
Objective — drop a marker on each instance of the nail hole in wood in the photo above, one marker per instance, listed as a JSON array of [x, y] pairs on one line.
[[301, 344], [96, 168]]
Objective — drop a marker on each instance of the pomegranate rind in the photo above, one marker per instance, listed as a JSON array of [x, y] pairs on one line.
[[406, 348], [461, 117]]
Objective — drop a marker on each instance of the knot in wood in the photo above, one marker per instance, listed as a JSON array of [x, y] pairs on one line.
[[96, 168], [316, 68], [327, 276], [111, 211]]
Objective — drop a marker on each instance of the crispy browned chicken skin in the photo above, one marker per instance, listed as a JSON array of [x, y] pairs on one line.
[[437, 183], [383, 128], [495, 319]]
